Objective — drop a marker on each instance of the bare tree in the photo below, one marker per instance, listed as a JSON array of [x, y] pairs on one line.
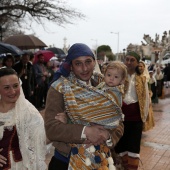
[[28, 11], [10, 28], [52, 10]]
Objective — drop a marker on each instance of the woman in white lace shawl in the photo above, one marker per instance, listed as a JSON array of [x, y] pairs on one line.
[[22, 134]]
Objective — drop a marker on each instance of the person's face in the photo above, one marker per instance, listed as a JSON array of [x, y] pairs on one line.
[[17, 58], [41, 59], [25, 59], [131, 63], [49, 64], [83, 67], [9, 88], [151, 74], [103, 69], [9, 63], [158, 71], [141, 67], [113, 77]]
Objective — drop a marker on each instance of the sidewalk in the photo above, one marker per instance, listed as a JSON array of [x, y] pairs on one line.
[[155, 146]]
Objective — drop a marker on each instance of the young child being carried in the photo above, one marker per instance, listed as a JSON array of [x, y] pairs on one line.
[[113, 84]]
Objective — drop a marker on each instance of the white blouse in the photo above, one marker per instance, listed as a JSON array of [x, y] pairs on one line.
[[131, 95]]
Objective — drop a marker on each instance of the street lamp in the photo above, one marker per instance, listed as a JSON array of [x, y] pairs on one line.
[[117, 43]]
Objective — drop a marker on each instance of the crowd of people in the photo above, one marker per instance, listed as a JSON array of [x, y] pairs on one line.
[[35, 76], [159, 78], [92, 119]]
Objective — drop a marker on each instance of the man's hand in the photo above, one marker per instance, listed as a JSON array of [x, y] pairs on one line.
[[105, 134], [96, 134], [62, 117], [45, 73]]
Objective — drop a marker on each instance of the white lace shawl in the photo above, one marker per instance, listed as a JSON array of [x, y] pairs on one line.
[[31, 133]]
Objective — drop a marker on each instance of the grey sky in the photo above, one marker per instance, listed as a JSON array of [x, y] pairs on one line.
[[131, 18]]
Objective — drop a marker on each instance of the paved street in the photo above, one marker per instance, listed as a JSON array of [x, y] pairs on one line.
[[155, 146]]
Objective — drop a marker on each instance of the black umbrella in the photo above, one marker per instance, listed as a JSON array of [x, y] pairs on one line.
[[7, 48], [59, 52]]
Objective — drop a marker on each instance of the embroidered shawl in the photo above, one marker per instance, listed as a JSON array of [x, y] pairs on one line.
[[115, 92], [87, 104]]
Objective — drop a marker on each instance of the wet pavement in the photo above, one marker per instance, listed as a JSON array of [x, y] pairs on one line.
[[155, 145]]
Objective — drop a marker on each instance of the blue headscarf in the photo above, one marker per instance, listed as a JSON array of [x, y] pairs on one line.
[[75, 51]]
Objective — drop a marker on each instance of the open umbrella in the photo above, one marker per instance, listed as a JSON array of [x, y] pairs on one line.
[[25, 42], [47, 55], [7, 48], [59, 52]]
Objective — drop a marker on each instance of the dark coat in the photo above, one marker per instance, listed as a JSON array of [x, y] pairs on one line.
[[27, 78]]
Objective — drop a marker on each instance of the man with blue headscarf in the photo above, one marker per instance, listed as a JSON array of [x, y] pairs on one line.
[[72, 91]]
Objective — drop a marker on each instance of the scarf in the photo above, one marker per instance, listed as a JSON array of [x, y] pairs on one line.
[[75, 51], [134, 54]]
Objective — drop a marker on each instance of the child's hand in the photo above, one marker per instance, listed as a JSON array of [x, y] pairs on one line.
[[62, 117]]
